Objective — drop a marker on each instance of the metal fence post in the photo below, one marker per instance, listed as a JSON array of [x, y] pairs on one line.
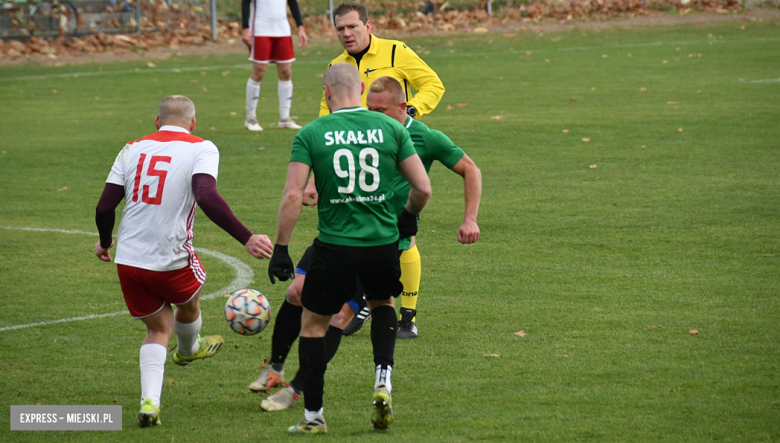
[[214, 20], [137, 16], [330, 12]]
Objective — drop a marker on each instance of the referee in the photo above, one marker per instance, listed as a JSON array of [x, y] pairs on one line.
[[355, 155], [376, 57]]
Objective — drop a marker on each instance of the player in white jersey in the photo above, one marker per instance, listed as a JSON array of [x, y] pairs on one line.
[[267, 33], [162, 177]]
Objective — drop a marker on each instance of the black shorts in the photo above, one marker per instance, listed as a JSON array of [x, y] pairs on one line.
[[334, 269]]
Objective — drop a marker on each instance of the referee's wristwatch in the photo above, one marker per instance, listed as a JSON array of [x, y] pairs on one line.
[[411, 110]]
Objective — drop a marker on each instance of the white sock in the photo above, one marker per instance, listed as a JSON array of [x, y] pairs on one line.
[[312, 415], [152, 359], [252, 94], [383, 376], [187, 335], [285, 91]]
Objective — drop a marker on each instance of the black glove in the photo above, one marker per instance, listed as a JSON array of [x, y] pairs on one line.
[[407, 225], [281, 265]]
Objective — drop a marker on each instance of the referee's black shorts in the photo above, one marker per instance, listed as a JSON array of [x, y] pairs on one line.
[[330, 279]]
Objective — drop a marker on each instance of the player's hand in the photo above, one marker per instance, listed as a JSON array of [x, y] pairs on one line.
[[303, 39], [281, 265], [259, 246], [310, 196], [407, 224], [103, 253], [246, 37], [468, 232]]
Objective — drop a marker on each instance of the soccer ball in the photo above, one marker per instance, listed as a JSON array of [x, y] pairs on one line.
[[247, 311]]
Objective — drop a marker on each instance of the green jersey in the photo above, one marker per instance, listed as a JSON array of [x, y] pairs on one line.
[[430, 145], [354, 154]]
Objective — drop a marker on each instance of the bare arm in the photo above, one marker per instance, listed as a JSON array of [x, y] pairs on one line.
[[413, 171], [472, 192], [297, 176], [310, 195]]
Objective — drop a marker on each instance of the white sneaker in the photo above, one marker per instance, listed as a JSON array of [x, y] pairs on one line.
[[280, 401], [267, 380], [288, 123], [252, 125]]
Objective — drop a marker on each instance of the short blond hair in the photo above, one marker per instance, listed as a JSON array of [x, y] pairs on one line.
[[390, 85], [176, 109]]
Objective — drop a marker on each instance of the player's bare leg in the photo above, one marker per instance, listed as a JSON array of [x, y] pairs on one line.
[[187, 324], [383, 334], [154, 351], [252, 94], [285, 92]]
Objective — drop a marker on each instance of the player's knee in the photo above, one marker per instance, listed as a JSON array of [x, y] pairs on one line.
[[343, 317], [376, 303], [295, 290]]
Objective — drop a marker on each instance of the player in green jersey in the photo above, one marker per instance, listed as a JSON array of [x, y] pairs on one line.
[[355, 156], [387, 96]]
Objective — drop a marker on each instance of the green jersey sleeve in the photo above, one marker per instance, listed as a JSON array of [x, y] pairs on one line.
[[301, 148], [405, 142], [441, 148]]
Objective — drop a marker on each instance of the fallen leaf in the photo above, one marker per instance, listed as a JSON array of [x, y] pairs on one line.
[[173, 383], [491, 355], [261, 148], [664, 62], [604, 56], [449, 107], [320, 75], [225, 73], [679, 129], [195, 81], [202, 72], [521, 333], [151, 65], [17, 370], [565, 131], [573, 100], [226, 295], [693, 332], [513, 35], [462, 105], [585, 139], [547, 60], [497, 117], [53, 91], [213, 128], [593, 166], [62, 189], [593, 88], [97, 98], [671, 103], [480, 30], [642, 89], [233, 113], [562, 355]]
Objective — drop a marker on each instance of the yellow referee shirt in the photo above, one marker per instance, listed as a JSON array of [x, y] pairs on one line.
[[395, 59]]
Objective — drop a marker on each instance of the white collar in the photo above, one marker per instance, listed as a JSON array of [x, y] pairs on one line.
[[350, 109], [173, 128]]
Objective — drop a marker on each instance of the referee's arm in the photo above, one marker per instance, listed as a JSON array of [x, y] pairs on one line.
[[429, 87]]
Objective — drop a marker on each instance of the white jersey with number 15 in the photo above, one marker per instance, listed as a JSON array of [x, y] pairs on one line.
[[156, 171]]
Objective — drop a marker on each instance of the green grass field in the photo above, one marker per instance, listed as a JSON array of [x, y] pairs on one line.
[[606, 252]]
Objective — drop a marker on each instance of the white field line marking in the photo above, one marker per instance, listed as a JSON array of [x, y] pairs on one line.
[[767, 80], [324, 62], [138, 71], [244, 275]]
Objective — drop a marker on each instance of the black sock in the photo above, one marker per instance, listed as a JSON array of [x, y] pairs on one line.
[[286, 330], [313, 363], [333, 340], [384, 326]]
